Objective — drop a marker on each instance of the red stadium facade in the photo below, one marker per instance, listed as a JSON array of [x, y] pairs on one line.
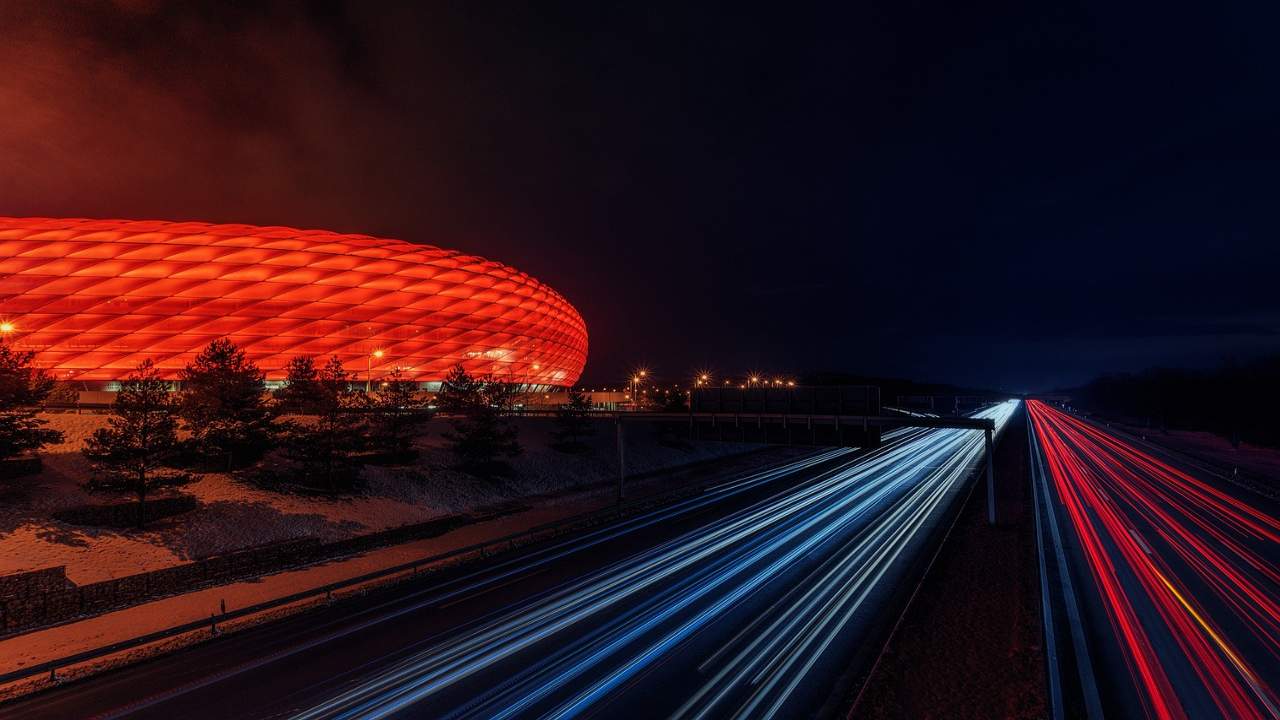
[[93, 298]]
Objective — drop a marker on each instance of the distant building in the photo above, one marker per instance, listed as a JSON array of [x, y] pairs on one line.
[[599, 399], [93, 298]]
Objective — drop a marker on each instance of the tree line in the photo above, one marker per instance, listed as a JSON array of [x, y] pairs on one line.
[[322, 424], [1236, 400]]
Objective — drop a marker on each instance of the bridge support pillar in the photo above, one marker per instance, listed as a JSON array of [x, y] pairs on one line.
[[622, 457], [991, 479]]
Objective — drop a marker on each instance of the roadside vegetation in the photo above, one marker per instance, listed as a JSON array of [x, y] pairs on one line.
[[483, 436], [224, 406], [573, 424], [140, 487], [141, 437], [315, 432], [171, 472], [1235, 400], [396, 413], [320, 448], [22, 388]]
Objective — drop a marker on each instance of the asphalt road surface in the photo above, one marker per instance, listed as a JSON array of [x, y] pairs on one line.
[[750, 599], [1178, 575]]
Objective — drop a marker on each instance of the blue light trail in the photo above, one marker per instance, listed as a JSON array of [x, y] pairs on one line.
[[824, 546]]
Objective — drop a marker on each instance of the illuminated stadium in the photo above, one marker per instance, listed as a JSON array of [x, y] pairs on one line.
[[93, 298]]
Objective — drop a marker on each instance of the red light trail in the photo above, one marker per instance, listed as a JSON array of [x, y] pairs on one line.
[[1185, 572]]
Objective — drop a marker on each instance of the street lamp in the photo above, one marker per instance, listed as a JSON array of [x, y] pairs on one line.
[[635, 387], [368, 375]]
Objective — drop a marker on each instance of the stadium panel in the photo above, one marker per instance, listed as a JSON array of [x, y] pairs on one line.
[[93, 298]]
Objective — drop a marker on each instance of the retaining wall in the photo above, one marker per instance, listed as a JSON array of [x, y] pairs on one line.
[[45, 597]]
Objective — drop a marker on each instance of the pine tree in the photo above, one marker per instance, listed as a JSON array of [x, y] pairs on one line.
[[301, 387], [573, 423], [22, 388], [141, 434], [483, 432], [460, 392], [395, 414], [224, 406], [321, 449]]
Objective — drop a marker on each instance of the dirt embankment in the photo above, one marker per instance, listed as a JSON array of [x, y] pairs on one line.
[[970, 644]]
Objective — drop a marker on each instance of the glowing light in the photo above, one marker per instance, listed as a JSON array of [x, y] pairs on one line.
[[1108, 489], [163, 290], [7, 327], [869, 511]]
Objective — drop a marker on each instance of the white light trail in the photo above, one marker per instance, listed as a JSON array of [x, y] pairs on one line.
[[856, 519]]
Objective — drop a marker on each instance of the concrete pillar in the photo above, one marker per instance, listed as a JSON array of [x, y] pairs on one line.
[[991, 480], [622, 457]]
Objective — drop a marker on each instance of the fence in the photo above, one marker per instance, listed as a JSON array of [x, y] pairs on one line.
[[39, 604]]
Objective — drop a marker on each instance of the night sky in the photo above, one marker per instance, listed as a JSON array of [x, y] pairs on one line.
[[1009, 196]]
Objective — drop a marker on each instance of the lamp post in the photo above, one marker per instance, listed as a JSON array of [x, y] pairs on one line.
[[635, 388], [368, 375], [700, 381]]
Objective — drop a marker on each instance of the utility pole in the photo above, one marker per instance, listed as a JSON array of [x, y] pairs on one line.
[[991, 480]]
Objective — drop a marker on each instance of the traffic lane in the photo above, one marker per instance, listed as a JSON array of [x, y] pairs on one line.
[[424, 688], [311, 676], [481, 683], [242, 695], [1250, 626], [508, 656], [1161, 676], [667, 686], [1120, 687], [1219, 563], [1170, 671]]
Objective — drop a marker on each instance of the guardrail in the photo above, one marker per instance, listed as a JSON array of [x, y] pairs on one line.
[[510, 541], [436, 562], [1051, 555]]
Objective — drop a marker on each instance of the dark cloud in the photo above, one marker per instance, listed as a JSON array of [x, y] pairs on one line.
[[1006, 195]]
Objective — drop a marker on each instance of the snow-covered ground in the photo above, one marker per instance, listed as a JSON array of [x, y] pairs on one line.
[[234, 514]]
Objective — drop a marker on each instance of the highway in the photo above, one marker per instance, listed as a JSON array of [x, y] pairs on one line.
[[1177, 576], [750, 599]]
